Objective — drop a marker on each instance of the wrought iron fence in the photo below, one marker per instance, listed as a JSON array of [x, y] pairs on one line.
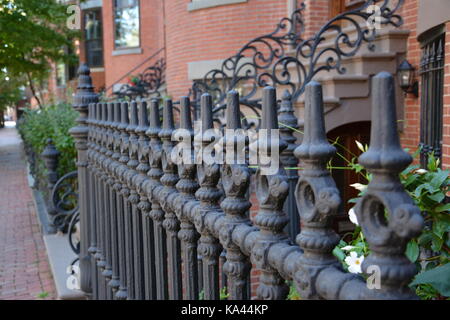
[[284, 58], [145, 219]]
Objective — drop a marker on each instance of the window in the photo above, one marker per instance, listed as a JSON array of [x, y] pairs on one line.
[[202, 4], [337, 7], [126, 23], [61, 77], [432, 89], [93, 35]]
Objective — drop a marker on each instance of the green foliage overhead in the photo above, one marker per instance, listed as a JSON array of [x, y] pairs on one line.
[[32, 34], [10, 91]]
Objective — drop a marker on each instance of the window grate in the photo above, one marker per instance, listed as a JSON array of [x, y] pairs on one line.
[[432, 88]]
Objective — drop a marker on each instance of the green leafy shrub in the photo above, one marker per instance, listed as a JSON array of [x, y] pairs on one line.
[[54, 122], [430, 251]]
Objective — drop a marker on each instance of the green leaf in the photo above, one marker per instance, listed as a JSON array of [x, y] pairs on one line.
[[436, 243], [443, 208], [437, 197], [419, 189], [439, 178], [412, 251], [338, 253], [425, 238], [439, 227], [410, 179], [438, 277]]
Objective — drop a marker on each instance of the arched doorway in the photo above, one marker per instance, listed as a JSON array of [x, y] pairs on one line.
[[346, 135]]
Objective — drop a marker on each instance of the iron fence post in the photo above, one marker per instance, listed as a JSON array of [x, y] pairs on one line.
[[85, 94]]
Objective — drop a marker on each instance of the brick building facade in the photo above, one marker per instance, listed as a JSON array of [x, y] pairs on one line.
[[195, 36], [124, 37]]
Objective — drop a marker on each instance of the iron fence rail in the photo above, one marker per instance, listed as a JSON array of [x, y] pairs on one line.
[[145, 219]]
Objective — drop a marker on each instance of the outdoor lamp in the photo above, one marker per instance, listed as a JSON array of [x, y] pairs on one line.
[[405, 73]]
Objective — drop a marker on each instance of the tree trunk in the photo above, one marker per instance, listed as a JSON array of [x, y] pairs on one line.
[[33, 90]]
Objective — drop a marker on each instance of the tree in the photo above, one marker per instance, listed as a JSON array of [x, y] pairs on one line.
[[10, 91], [33, 34]]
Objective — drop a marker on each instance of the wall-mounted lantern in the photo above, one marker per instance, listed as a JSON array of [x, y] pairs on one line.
[[406, 78]]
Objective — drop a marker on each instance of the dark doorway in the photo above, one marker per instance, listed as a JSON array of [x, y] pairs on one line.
[[346, 136]]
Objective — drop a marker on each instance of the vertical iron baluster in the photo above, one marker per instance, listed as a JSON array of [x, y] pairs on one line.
[[94, 221], [114, 283], [154, 188], [200, 271], [236, 181], [85, 94], [272, 190], [187, 185], [122, 293], [288, 123], [107, 273], [318, 198], [99, 224], [93, 116], [148, 251], [143, 206], [208, 194], [171, 223], [132, 199], [387, 214], [149, 254]]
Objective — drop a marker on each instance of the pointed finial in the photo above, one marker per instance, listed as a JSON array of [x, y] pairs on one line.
[[385, 151], [133, 116], [98, 113], [155, 121], [143, 117], [91, 115], [117, 114], [269, 109], [110, 113], [104, 114], [168, 122], [124, 116], [206, 111], [185, 121], [286, 115], [233, 110], [315, 145]]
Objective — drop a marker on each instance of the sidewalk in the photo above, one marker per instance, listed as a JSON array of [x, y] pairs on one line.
[[24, 268]]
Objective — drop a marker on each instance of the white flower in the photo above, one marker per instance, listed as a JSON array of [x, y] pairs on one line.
[[348, 248], [352, 216], [72, 283], [360, 146], [359, 186], [421, 171], [354, 262]]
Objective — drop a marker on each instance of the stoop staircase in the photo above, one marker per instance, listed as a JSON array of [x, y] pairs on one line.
[[347, 96]]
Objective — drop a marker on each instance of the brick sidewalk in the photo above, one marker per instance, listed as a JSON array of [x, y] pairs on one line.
[[24, 268]]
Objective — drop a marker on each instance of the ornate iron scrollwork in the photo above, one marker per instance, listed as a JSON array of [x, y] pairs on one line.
[[148, 84], [65, 200], [263, 61], [310, 58], [244, 68]]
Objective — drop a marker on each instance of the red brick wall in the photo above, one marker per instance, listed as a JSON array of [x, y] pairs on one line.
[[316, 15], [410, 135], [151, 39], [212, 33]]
